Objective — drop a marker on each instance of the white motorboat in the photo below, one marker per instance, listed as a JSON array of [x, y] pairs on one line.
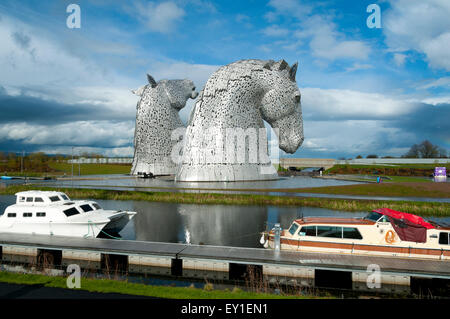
[[54, 213]]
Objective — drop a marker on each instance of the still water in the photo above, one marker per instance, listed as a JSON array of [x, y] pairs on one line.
[[131, 183], [221, 225]]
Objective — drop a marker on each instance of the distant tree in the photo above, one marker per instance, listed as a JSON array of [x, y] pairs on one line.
[[372, 156], [359, 156], [428, 150], [414, 152]]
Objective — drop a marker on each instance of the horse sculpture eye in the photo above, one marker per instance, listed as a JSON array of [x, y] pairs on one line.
[[193, 89]]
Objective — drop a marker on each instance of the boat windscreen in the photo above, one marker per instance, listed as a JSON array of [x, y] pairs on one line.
[[71, 211], [373, 216]]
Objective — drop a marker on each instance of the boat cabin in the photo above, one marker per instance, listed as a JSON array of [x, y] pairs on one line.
[[41, 198]]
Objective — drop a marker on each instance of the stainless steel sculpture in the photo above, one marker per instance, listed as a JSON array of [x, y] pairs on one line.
[[156, 117], [225, 139]]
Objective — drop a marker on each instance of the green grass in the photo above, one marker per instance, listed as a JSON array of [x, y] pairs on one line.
[[420, 208], [124, 287], [410, 179], [57, 169], [389, 170], [404, 189], [91, 169]]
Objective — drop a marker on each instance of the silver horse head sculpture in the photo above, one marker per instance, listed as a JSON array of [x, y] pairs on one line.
[[156, 117], [226, 139]]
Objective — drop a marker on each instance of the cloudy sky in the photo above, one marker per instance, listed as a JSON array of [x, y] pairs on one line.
[[364, 90]]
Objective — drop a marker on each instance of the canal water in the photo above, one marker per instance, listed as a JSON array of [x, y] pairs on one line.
[[127, 182], [221, 225]]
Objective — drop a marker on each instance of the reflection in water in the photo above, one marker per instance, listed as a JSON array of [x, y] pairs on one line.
[[221, 225], [156, 222], [224, 225]]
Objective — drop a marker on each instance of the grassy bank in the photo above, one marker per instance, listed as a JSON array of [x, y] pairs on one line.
[[91, 169], [59, 169], [389, 170], [420, 208], [397, 189], [124, 287]]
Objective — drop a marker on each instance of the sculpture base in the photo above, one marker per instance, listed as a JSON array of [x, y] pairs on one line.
[[154, 168], [226, 173]]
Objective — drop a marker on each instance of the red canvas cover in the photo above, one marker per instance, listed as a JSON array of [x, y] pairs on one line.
[[408, 227], [405, 216]]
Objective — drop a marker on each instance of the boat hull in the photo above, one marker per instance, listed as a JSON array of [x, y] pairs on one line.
[[118, 222], [79, 229], [359, 249]]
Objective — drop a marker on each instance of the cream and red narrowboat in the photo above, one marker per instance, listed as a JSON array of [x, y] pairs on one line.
[[383, 232]]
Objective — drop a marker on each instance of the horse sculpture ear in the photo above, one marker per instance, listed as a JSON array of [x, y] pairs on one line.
[[293, 71], [151, 80], [283, 65]]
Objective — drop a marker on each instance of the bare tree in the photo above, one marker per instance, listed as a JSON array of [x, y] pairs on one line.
[[428, 150], [413, 152]]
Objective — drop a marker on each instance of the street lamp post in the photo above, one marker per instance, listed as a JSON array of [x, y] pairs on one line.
[[72, 162]]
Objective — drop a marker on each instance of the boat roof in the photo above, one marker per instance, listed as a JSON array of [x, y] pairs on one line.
[[334, 220], [39, 193], [405, 216]]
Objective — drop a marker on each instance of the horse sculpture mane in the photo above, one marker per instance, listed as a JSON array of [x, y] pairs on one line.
[[234, 104]]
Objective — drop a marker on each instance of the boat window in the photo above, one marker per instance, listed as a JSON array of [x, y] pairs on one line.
[[65, 197], [384, 219], [352, 233], [11, 214], [54, 198], [21, 199], [293, 229], [40, 214], [373, 216], [309, 230], [443, 238], [27, 214], [29, 199], [71, 211], [97, 206], [86, 208], [38, 199], [329, 231]]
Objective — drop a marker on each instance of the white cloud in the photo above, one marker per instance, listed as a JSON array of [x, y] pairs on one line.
[[338, 137], [82, 133], [422, 26], [399, 59], [290, 7], [441, 82], [349, 104], [275, 31], [161, 17], [358, 66], [329, 44]]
